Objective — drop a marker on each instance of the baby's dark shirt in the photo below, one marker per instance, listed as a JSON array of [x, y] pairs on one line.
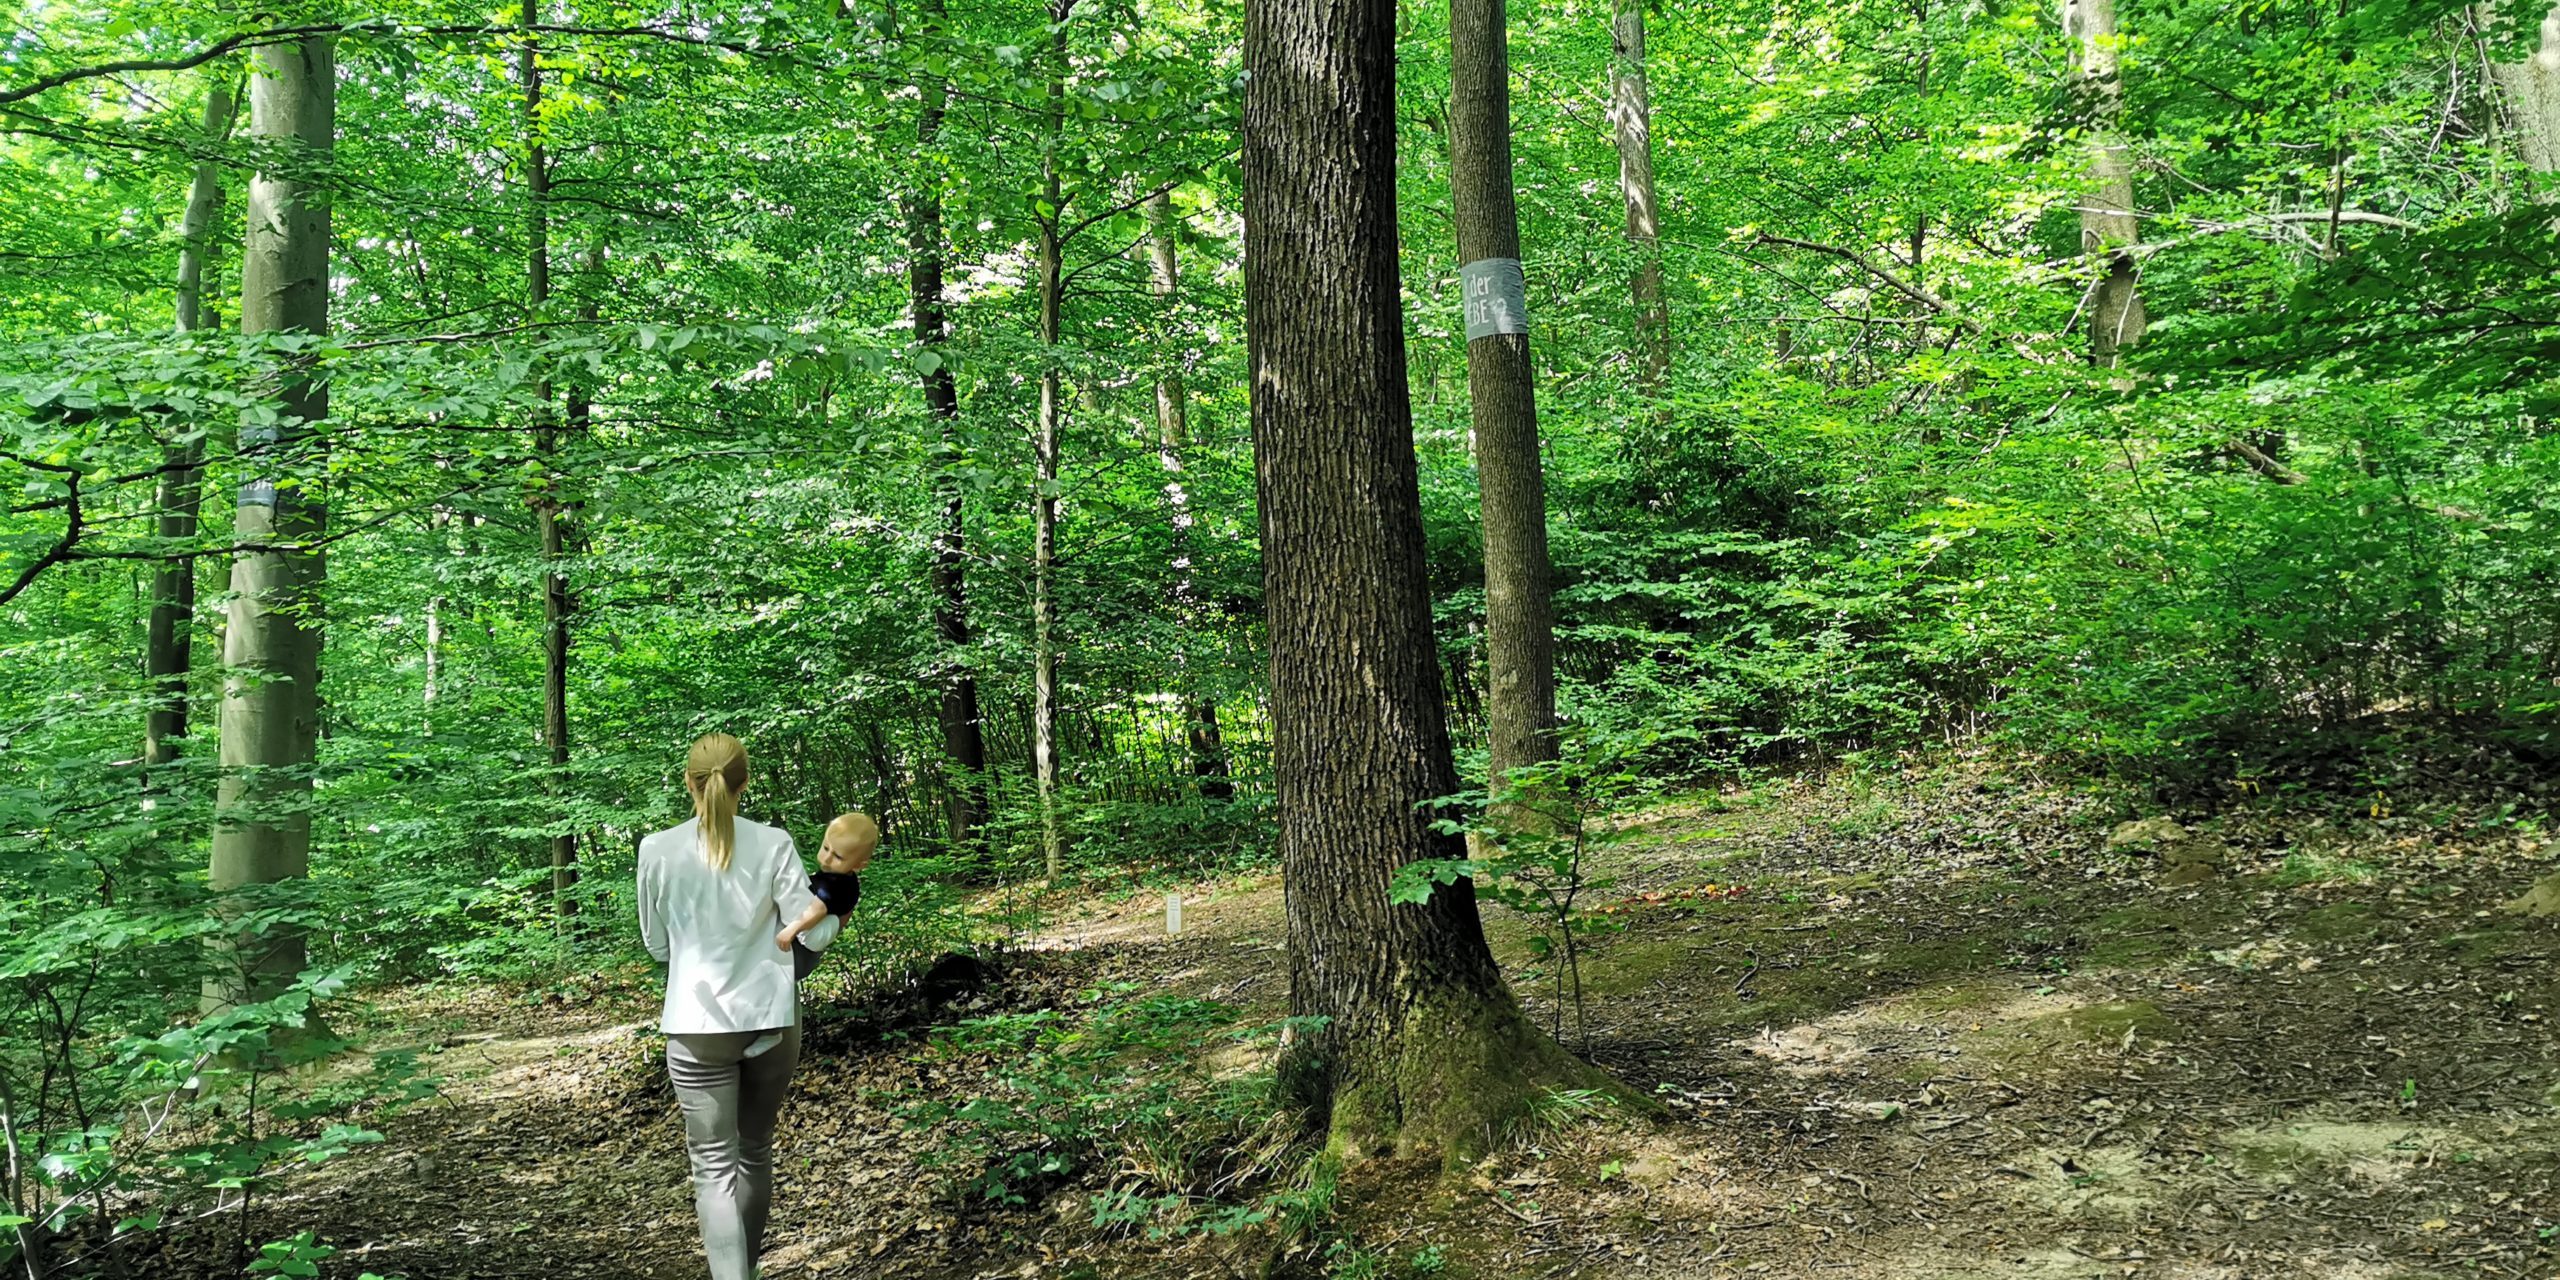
[[838, 889]]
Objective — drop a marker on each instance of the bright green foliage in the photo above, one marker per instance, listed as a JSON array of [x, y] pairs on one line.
[[1861, 517], [1882, 498]]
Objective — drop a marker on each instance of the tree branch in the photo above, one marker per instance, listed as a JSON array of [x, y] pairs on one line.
[[280, 35], [236, 548], [2258, 222], [240, 40], [72, 527], [2264, 464], [1916, 292], [1069, 233]]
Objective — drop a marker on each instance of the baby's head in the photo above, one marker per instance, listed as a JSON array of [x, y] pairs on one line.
[[848, 844]]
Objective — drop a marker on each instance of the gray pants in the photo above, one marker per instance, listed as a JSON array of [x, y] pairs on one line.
[[730, 1104]]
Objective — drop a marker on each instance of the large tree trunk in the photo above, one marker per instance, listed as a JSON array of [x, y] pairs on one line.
[[271, 644], [964, 741], [1519, 612], [1173, 448], [550, 511], [2532, 92], [1631, 116], [2108, 229], [1423, 1047], [1044, 460], [169, 647]]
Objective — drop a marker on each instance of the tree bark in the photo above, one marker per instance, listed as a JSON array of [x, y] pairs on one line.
[[550, 511], [1631, 117], [1208, 748], [964, 741], [2108, 228], [1044, 459], [2532, 92], [271, 644], [432, 687], [169, 647], [1502, 384], [1422, 1047]]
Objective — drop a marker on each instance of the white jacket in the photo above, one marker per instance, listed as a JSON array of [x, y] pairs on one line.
[[714, 929]]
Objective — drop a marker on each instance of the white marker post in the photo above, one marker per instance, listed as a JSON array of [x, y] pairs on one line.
[[1173, 915]]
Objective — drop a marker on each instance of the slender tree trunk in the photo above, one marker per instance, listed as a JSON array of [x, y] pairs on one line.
[[2108, 229], [550, 512], [1631, 116], [1422, 1047], [1044, 451], [271, 641], [1519, 611], [169, 649], [1173, 448], [433, 686], [2532, 92], [964, 741]]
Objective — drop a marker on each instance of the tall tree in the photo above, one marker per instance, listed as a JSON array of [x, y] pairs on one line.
[[550, 511], [2532, 90], [1422, 1047], [169, 644], [964, 741], [2108, 227], [1502, 384], [1044, 450], [271, 647], [1631, 119], [1173, 448]]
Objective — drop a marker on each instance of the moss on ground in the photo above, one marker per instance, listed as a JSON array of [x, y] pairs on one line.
[[2134, 950], [1965, 995], [2083, 1027], [2337, 922], [1629, 965], [2108, 1023], [2489, 945], [1939, 957]]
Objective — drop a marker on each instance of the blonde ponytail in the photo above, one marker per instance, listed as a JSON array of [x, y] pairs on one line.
[[715, 771]]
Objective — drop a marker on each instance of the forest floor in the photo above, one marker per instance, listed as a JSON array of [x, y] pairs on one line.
[[1944, 1030]]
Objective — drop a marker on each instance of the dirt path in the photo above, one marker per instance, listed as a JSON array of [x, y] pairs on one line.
[[1966, 1039], [1943, 1032]]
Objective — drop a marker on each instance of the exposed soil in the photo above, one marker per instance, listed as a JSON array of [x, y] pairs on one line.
[[1944, 1030]]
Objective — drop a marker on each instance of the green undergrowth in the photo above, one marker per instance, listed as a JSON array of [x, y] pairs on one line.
[[1160, 1109], [1154, 1119]]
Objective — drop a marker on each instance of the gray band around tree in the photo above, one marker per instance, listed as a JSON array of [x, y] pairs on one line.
[[260, 490]]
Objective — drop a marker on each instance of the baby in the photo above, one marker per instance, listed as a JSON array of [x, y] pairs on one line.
[[846, 850]]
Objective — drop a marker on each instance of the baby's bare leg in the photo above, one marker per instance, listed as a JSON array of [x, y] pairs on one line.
[[808, 919]]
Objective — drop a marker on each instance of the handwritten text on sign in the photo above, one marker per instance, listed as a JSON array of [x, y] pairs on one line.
[[1497, 297]]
